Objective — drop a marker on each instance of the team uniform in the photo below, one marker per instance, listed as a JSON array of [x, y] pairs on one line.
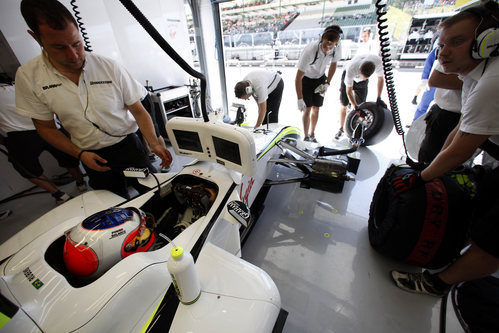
[[480, 102], [441, 119], [351, 78], [313, 63], [23, 141], [94, 112], [267, 86]]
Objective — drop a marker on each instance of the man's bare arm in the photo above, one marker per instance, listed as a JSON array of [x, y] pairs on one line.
[[262, 109], [446, 81], [461, 148], [298, 84], [49, 132], [146, 126], [331, 71]]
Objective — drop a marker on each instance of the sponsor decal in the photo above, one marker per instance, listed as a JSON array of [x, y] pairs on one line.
[[196, 172], [50, 86], [30, 277], [245, 197], [100, 82], [116, 233], [240, 211]]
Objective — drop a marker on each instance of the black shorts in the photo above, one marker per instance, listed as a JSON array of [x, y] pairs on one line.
[[308, 86], [359, 89], [485, 225], [26, 146]]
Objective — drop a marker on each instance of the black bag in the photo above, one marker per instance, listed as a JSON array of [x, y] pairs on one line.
[[426, 226]]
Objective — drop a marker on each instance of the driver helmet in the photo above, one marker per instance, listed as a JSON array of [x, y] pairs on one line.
[[104, 238]]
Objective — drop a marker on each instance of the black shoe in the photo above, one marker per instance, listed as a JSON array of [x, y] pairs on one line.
[[312, 138], [415, 100], [307, 138], [419, 283]]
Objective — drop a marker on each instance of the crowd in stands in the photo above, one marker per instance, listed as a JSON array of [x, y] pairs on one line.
[[354, 19], [415, 6], [249, 3], [256, 23]]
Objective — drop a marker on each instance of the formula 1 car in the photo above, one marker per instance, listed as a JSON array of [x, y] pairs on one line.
[[101, 263]]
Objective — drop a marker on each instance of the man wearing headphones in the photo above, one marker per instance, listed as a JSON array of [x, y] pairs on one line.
[[468, 47], [266, 88], [311, 83], [96, 100]]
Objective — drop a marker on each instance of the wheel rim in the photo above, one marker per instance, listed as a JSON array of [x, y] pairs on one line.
[[367, 120]]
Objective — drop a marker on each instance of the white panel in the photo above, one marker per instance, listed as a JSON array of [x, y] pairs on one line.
[[114, 32], [15, 31], [140, 53]]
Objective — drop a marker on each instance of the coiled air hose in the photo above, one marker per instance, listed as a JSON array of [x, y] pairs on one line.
[[384, 42]]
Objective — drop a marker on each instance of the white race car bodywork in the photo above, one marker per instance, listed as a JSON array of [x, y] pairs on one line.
[[134, 294]]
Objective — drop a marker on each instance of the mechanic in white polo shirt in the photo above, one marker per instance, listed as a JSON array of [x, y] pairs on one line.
[[96, 100], [355, 83], [266, 88], [311, 83]]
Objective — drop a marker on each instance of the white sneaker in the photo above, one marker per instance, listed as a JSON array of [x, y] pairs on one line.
[[82, 187], [60, 199]]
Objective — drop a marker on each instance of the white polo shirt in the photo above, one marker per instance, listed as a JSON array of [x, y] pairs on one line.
[[101, 96], [447, 99], [480, 99], [263, 82], [315, 69], [10, 121], [353, 68]]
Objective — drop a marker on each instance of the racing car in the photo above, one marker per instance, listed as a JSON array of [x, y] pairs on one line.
[[102, 264], [99, 262]]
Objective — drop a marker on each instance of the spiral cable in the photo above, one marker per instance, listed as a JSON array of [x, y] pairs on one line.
[[384, 42], [83, 32]]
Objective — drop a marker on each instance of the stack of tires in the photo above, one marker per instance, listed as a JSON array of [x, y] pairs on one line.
[[426, 226]]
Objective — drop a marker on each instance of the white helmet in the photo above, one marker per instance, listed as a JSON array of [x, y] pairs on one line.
[[104, 238]]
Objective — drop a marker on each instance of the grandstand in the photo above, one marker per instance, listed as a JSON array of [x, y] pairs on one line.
[[270, 30]]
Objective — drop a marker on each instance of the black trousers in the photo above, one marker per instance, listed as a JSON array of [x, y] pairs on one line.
[[439, 123], [273, 104], [129, 152]]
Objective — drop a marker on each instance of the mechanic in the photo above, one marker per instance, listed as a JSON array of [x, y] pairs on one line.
[[311, 83], [96, 100], [443, 115], [25, 145], [479, 126], [266, 88], [355, 81], [366, 45]]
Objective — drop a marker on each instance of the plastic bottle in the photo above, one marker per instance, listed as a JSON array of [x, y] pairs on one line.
[[184, 275]]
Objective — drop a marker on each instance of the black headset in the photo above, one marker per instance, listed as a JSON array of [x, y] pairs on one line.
[[332, 28], [486, 44], [244, 91]]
